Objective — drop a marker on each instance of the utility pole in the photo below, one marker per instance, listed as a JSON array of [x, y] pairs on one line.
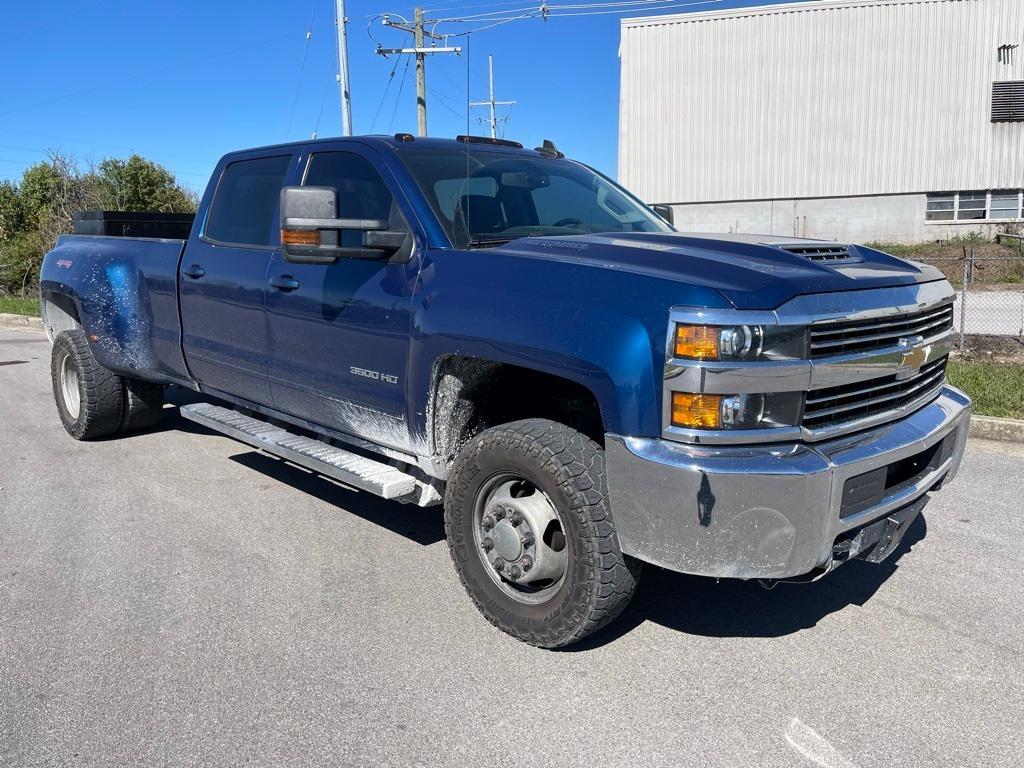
[[421, 73], [344, 95], [420, 50], [491, 102]]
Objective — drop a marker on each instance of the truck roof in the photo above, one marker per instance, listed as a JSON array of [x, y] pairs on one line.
[[404, 141]]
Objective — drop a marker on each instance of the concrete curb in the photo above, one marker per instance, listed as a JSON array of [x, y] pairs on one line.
[[20, 321], [992, 428]]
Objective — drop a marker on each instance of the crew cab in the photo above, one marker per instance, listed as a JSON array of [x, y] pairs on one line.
[[509, 333]]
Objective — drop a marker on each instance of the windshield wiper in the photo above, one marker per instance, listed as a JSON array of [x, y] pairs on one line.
[[483, 242]]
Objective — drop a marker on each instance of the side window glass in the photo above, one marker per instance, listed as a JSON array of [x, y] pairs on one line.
[[362, 193], [244, 207]]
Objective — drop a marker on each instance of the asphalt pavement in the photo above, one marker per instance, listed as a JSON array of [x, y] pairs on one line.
[[176, 599]]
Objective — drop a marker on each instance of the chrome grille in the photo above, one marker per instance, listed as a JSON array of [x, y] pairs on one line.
[[835, 405], [850, 336]]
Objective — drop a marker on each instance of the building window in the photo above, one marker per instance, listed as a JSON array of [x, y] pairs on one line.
[[1008, 101], [999, 205], [1005, 205], [972, 205], [941, 207]]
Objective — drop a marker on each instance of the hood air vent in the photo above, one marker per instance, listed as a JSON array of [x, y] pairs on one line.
[[820, 252]]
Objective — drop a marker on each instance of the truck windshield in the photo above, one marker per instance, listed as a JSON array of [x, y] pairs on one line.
[[487, 198]]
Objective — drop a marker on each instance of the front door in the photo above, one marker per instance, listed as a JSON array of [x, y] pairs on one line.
[[339, 333], [223, 280]]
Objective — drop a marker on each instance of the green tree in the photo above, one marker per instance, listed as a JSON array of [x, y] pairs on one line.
[[14, 219], [137, 184], [41, 207]]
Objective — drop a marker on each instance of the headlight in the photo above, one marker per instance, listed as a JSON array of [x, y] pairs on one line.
[[738, 342], [745, 411]]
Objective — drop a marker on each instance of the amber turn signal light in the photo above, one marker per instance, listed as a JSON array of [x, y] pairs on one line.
[[300, 237], [696, 342], [696, 411]]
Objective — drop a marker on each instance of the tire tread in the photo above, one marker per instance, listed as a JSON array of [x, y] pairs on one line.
[[577, 464], [102, 398]]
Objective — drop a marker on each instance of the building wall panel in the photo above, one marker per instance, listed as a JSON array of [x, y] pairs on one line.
[[822, 99]]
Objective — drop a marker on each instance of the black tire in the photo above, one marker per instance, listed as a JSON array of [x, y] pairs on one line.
[[143, 405], [568, 467], [100, 392]]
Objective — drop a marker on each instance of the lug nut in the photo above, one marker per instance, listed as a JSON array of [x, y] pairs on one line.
[[526, 540], [514, 572], [488, 522], [499, 513], [515, 518], [527, 564], [499, 565], [487, 544]]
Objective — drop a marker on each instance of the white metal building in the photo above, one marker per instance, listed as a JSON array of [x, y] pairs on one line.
[[893, 120]]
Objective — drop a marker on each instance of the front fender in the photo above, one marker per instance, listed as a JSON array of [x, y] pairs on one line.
[[600, 328]]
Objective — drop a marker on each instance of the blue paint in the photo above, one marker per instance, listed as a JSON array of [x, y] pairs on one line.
[[595, 313]]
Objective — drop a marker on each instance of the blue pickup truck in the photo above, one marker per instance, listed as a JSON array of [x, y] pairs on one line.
[[508, 333]]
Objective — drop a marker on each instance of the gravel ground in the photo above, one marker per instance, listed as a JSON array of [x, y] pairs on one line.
[[174, 598]]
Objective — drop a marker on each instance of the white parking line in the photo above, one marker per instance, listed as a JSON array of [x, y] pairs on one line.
[[814, 747]]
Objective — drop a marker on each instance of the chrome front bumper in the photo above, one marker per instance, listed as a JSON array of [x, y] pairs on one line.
[[769, 511]]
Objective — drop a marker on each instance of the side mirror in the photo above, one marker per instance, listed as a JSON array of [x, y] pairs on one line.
[[311, 233], [665, 211]]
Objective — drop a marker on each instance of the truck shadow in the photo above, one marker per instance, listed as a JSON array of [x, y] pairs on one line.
[[731, 608], [423, 526], [689, 604]]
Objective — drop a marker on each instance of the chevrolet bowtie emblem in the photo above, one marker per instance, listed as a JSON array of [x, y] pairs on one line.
[[915, 354]]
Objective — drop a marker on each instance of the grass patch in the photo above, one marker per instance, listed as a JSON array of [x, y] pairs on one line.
[[13, 305], [996, 388]]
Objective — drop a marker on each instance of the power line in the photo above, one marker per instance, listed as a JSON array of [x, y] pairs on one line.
[[420, 51], [302, 68], [473, 7], [398, 98], [661, 5], [111, 83], [391, 79]]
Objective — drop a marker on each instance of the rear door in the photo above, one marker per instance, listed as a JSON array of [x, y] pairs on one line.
[[339, 333], [223, 279]]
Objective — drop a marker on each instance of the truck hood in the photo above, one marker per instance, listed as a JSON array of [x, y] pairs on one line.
[[750, 271]]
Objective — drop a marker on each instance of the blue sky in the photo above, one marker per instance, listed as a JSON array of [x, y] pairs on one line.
[[184, 82]]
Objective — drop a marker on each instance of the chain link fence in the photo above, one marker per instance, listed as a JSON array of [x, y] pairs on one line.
[[990, 295]]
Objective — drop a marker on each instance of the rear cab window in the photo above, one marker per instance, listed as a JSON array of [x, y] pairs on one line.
[[362, 192], [244, 207]]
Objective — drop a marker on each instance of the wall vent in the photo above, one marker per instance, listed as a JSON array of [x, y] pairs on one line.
[[1008, 101]]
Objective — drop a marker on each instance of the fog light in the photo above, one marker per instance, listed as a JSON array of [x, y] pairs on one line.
[[742, 411], [696, 411]]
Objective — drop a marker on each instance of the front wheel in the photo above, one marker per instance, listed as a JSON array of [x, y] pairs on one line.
[[531, 534]]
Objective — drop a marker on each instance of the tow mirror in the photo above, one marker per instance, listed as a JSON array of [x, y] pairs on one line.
[[665, 211], [311, 233]]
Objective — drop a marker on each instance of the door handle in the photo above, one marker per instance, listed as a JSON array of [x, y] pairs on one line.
[[194, 271], [284, 282]]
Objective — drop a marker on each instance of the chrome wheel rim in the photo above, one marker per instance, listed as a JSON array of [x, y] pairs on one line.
[[69, 387], [520, 539]]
